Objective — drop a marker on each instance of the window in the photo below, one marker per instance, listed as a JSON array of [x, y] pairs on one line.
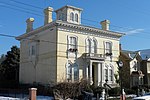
[[61, 16], [72, 16], [69, 71], [72, 67], [32, 49], [110, 75], [76, 72], [88, 45], [135, 65], [106, 74], [108, 47], [72, 43], [76, 17], [91, 45], [94, 47]]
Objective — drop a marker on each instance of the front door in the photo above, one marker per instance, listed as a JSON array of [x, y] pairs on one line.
[[95, 74]]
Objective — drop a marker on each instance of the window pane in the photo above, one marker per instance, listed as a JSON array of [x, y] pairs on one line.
[[69, 71], [76, 17], [72, 17], [95, 46], [75, 73], [88, 46], [108, 47], [32, 50], [110, 74], [106, 74], [73, 42]]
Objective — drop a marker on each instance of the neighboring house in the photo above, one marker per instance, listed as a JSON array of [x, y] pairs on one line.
[[145, 65], [65, 50], [132, 74]]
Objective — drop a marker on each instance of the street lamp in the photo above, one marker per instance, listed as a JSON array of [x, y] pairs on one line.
[[120, 64]]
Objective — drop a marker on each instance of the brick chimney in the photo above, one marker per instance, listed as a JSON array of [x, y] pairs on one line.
[[32, 93], [48, 15], [105, 25], [29, 22]]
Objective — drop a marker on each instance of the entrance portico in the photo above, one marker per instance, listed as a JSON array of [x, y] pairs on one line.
[[94, 69], [95, 72]]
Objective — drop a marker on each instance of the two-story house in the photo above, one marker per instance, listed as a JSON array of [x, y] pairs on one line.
[[131, 68], [66, 50]]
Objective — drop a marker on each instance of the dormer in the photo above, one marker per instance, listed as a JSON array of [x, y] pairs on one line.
[[69, 14]]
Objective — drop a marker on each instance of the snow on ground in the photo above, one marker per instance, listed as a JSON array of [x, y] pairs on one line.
[[38, 98]]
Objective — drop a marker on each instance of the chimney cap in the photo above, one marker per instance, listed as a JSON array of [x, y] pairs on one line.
[[105, 21], [30, 20], [48, 9]]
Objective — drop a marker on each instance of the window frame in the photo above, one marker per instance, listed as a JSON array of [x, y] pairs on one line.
[[69, 73], [76, 17], [70, 46], [72, 17], [88, 44]]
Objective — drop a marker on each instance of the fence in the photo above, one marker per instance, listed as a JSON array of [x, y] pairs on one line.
[[15, 93]]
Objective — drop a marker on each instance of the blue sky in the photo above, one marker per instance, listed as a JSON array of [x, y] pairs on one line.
[[128, 16]]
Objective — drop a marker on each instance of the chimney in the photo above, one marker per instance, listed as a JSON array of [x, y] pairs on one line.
[[105, 25], [48, 15], [29, 22]]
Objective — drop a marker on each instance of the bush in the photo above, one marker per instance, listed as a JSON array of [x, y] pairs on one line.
[[66, 90], [130, 91], [114, 91]]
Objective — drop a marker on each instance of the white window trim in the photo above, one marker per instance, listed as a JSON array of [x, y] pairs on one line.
[[69, 76], [111, 67], [30, 45], [76, 17], [72, 17], [106, 68], [105, 46], [88, 47], [68, 41], [94, 45]]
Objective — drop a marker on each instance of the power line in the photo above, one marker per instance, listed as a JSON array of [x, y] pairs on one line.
[[24, 10], [21, 10], [18, 6], [53, 11], [26, 4]]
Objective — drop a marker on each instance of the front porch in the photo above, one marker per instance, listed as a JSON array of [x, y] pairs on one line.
[[94, 69]]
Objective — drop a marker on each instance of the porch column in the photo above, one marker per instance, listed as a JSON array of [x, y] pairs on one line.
[[72, 74], [87, 72], [98, 73], [91, 82], [102, 74]]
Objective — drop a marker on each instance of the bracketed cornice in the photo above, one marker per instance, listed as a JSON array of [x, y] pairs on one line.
[[65, 26]]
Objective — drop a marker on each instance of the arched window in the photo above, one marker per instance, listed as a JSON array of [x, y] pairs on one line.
[[106, 72], [62, 17], [110, 73], [88, 45], [69, 70], [76, 17], [72, 16], [76, 71], [72, 71], [94, 46]]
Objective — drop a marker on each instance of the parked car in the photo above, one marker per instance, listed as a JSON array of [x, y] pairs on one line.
[[147, 97]]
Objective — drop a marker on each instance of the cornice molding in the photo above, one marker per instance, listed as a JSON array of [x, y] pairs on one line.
[[70, 27], [88, 28]]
